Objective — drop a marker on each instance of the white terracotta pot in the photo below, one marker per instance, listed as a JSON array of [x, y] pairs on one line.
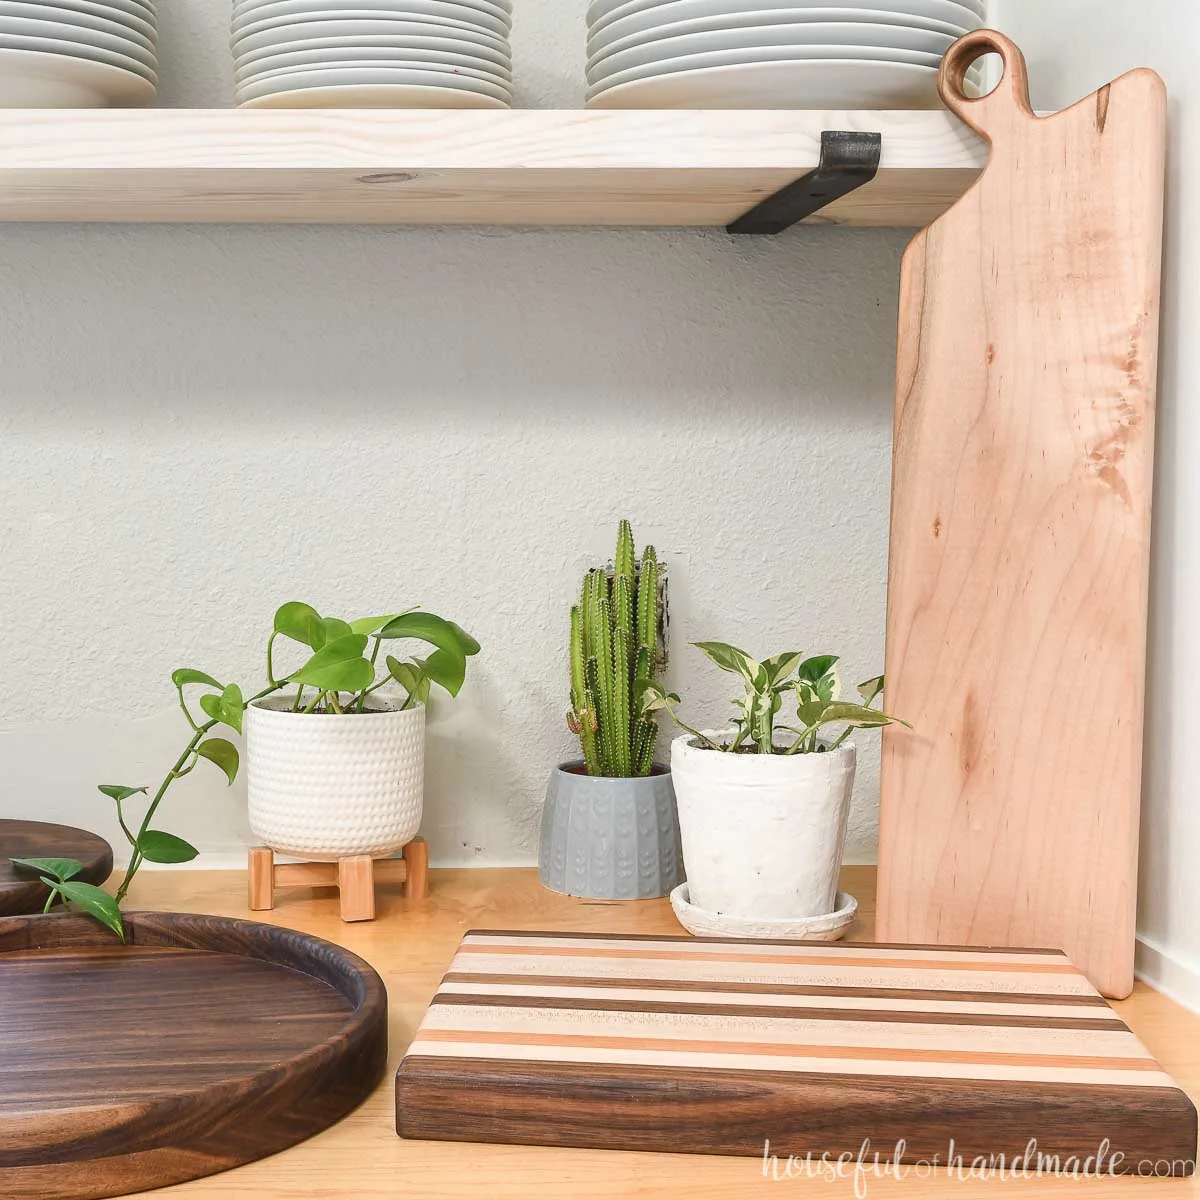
[[325, 786], [762, 834]]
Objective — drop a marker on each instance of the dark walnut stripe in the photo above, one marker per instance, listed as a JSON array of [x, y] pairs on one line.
[[736, 1112], [774, 989], [815, 947], [885, 1017], [204, 1043], [21, 893]]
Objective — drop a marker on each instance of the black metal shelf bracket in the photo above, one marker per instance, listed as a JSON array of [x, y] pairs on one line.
[[848, 160]]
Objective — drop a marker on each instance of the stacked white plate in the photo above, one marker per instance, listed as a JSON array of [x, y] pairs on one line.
[[771, 53], [372, 53], [77, 53]]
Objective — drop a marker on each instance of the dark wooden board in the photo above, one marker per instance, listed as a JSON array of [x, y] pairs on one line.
[[203, 1043], [712, 1047], [35, 839]]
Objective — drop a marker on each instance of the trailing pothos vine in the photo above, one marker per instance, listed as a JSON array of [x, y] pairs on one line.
[[341, 672]]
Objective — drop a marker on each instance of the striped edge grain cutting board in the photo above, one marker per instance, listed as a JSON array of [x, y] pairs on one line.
[[707, 1046]]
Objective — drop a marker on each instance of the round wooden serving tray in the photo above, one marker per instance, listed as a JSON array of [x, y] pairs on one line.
[[33, 839], [203, 1043]]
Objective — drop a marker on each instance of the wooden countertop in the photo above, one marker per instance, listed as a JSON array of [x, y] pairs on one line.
[[363, 1159]]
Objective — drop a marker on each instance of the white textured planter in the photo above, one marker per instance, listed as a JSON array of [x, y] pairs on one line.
[[762, 834], [329, 786]]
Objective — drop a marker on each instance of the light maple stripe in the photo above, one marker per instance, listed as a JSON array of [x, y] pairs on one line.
[[729, 1059], [743, 970], [1096, 1012], [927, 1039], [933, 1057], [719, 953], [848, 952]]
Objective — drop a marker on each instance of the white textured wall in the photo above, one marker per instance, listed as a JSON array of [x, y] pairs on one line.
[[1073, 47], [199, 423]]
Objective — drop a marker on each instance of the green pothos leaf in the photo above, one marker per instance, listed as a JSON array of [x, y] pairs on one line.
[[157, 846], [119, 792], [730, 658], [223, 753], [60, 868], [186, 675], [96, 903], [227, 708]]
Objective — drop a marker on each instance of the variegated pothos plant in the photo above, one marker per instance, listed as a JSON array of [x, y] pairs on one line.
[[810, 684]]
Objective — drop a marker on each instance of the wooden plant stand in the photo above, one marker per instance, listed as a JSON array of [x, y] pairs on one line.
[[355, 878]]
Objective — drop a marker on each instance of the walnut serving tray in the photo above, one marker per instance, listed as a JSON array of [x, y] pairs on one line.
[[707, 1046], [203, 1043], [24, 893]]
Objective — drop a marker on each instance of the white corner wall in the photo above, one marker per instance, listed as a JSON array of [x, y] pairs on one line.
[[1073, 47], [197, 423]]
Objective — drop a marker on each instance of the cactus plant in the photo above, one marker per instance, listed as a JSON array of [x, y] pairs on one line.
[[617, 650]]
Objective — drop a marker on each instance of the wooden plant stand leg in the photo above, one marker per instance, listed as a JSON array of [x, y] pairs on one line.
[[416, 857], [354, 878], [356, 883], [262, 878]]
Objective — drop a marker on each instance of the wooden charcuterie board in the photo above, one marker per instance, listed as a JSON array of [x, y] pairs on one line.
[[714, 1047], [21, 893], [204, 1043], [1020, 535]]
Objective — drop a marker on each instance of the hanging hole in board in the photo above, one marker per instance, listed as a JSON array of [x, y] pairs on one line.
[[984, 75], [974, 67]]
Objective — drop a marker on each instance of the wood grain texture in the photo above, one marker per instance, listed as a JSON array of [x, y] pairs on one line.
[[355, 878], [538, 1038], [503, 168], [36, 839], [356, 888], [1019, 560], [361, 1158], [260, 878], [738, 1112], [202, 1044], [416, 862]]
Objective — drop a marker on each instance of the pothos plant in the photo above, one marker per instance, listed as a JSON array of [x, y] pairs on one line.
[[339, 674], [810, 684]]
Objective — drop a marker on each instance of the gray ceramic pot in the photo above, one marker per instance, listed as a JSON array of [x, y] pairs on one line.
[[610, 839]]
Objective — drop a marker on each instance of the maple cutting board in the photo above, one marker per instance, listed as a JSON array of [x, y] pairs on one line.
[[1020, 538], [714, 1047]]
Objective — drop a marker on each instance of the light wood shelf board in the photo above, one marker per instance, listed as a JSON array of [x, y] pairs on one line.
[[550, 167]]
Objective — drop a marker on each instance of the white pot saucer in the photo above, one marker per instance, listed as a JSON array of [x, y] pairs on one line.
[[703, 923]]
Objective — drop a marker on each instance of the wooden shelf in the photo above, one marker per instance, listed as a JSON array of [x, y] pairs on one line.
[[489, 168]]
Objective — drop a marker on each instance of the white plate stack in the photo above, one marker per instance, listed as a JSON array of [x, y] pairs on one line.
[[772, 53], [372, 53], [77, 53]]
